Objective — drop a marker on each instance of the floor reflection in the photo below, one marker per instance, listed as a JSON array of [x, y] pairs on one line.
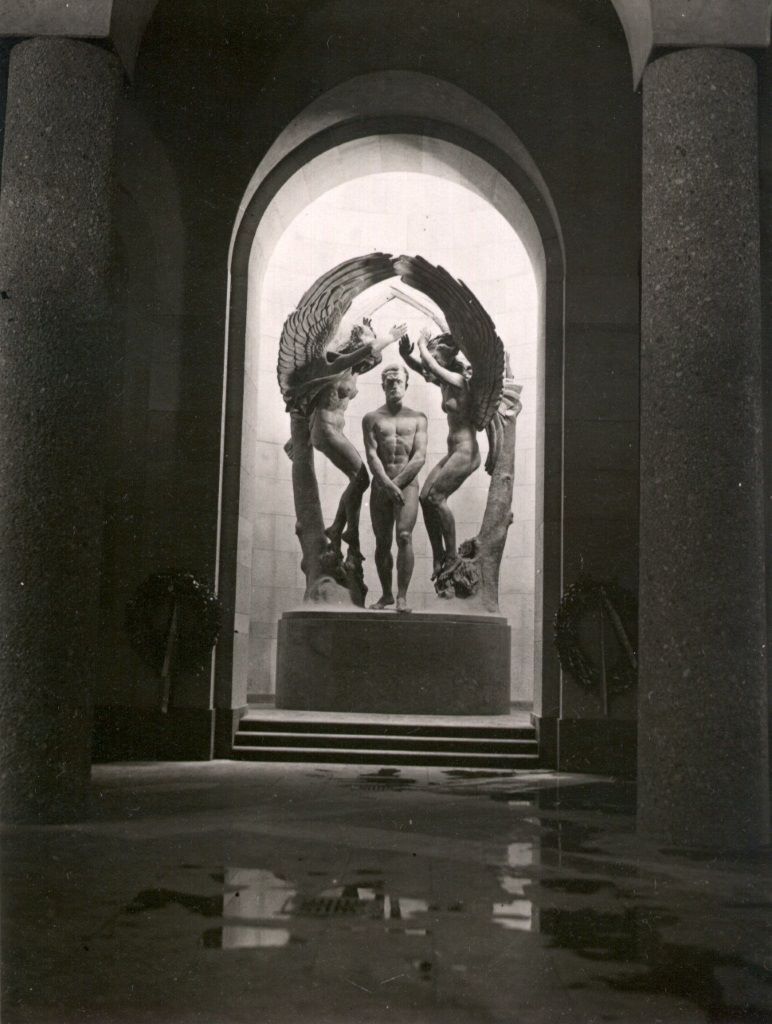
[[370, 902], [385, 778], [258, 907], [517, 914], [254, 901], [422, 897], [261, 910], [252, 895]]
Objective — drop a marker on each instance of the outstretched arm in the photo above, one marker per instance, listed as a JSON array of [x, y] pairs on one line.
[[374, 460], [340, 362], [405, 350], [409, 472], [457, 380], [395, 333]]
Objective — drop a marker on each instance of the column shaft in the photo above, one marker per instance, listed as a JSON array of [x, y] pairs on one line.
[[702, 763], [55, 261]]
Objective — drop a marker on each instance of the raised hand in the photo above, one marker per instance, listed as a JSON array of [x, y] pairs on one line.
[[394, 334], [423, 341]]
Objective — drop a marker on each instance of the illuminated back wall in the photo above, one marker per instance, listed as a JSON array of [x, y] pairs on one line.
[[447, 223]]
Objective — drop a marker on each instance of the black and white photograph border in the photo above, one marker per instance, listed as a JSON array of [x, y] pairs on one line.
[[385, 485]]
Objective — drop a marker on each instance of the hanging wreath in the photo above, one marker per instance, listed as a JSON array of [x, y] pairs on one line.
[[173, 617], [612, 611]]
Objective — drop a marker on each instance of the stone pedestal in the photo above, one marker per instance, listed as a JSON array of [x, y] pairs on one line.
[[702, 762], [385, 663], [55, 262]]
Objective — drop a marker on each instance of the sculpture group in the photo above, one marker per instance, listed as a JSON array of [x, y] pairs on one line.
[[318, 373]]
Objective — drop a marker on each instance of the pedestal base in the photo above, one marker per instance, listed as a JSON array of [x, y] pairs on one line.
[[380, 662]]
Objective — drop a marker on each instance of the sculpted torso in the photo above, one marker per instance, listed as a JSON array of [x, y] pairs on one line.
[[395, 437], [330, 411], [457, 404]]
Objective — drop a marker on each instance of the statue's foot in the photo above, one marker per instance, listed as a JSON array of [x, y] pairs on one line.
[[350, 537], [402, 606], [436, 569], [450, 563], [334, 534], [382, 603]]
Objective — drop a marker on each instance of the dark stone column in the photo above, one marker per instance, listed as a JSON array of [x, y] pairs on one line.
[[55, 260], [702, 763]]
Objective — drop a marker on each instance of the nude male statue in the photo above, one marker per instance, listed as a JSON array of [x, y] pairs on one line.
[[395, 445], [327, 421]]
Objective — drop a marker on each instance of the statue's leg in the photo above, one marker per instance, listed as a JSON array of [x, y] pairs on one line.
[[406, 517], [382, 516], [335, 530], [352, 502], [432, 520], [334, 444], [455, 469]]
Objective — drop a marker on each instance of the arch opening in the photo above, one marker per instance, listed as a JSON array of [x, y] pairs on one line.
[[361, 150], [413, 211]]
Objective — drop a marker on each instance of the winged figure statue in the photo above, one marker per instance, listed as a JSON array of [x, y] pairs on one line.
[[318, 368], [468, 364], [317, 371]]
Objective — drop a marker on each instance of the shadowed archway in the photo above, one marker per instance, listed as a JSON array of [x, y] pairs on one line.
[[483, 154]]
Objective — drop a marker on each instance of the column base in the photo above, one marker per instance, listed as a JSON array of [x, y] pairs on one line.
[[44, 762]]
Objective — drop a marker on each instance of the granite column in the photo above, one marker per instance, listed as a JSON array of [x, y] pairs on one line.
[[702, 761], [55, 316]]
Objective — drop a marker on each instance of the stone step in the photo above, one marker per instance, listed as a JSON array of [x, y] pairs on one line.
[[307, 725], [392, 741], [415, 758], [481, 741]]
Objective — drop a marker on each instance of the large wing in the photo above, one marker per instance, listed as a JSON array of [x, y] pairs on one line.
[[310, 330], [509, 406], [471, 327]]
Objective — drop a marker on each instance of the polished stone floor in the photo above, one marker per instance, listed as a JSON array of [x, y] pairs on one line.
[[224, 892]]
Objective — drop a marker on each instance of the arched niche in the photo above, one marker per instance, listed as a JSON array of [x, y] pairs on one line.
[[398, 121]]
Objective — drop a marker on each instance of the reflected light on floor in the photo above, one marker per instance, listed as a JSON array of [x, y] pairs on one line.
[[444, 897]]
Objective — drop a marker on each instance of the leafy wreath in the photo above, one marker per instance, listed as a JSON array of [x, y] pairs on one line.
[[174, 611], [618, 608]]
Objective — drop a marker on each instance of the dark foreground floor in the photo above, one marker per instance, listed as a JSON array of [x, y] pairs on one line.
[[226, 892]]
